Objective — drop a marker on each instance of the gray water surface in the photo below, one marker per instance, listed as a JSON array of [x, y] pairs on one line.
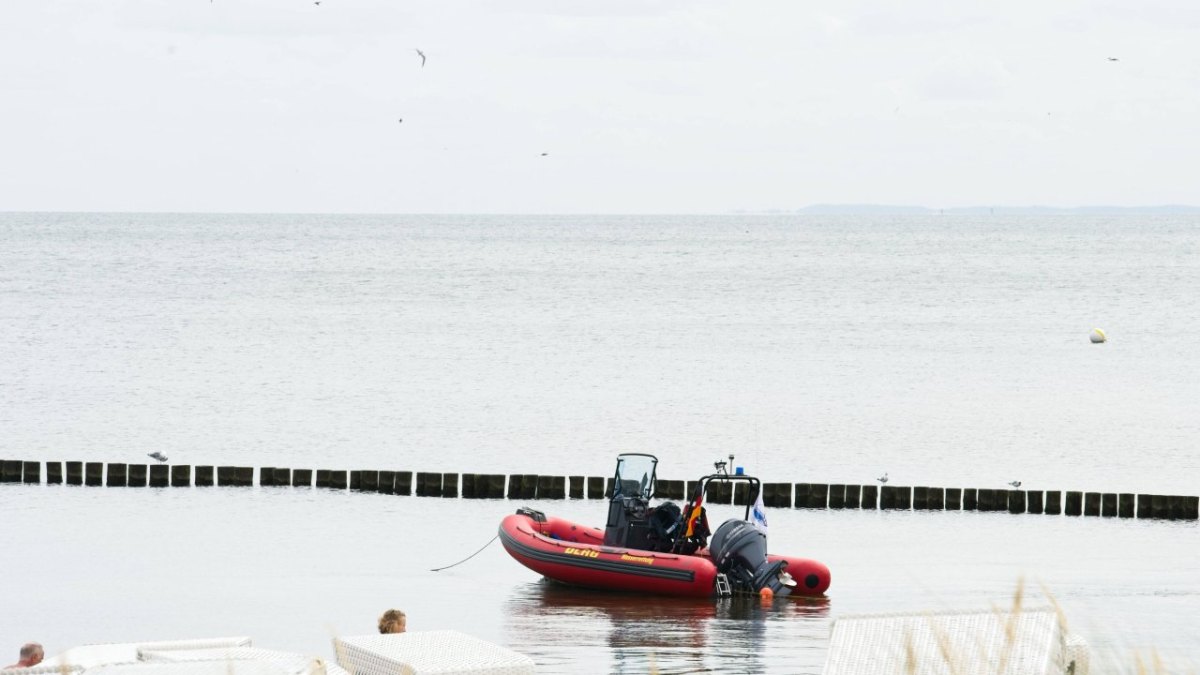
[[944, 350], [291, 567]]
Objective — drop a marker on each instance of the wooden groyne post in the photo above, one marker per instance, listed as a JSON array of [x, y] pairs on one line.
[[835, 496]]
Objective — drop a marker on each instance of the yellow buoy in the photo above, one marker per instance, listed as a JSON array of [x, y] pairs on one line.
[[1097, 336]]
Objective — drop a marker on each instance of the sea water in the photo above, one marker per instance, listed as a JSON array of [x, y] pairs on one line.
[[943, 350]]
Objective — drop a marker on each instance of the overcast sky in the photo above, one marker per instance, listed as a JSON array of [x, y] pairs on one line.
[[672, 106]]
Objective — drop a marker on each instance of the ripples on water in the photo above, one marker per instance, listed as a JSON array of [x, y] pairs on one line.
[[637, 634], [944, 351], [291, 567]]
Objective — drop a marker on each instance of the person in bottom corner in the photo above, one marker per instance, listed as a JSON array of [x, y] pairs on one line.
[[32, 654]]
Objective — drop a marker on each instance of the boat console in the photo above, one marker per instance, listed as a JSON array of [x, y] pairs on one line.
[[629, 513]]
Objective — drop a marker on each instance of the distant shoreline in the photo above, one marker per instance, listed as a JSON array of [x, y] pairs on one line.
[[815, 209], [896, 210]]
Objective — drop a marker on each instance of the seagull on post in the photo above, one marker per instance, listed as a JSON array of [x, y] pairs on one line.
[[1015, 483], [883, 478], [157, 455]]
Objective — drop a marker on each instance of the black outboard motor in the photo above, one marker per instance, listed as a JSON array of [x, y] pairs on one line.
[[740, 552]]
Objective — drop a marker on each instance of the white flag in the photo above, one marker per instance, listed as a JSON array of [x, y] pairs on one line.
[[758, 515]]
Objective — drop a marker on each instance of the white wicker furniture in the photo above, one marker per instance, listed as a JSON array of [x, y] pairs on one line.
[[189, 668], [42, 669], [126, 652], [217, 656], [439, 652], [290, 662], [1028, 642]]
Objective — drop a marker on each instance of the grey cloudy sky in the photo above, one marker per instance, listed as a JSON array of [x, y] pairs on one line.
[[668, 106]]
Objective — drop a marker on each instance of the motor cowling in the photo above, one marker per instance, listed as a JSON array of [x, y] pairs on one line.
[[740, 552]]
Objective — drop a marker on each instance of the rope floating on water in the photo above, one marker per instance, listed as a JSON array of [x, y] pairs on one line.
[[439, 569]]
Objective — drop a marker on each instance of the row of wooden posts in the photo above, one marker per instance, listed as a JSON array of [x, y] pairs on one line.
[[531, 486]]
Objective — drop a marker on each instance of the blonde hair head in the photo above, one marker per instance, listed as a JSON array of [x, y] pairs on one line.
[[392, 621]]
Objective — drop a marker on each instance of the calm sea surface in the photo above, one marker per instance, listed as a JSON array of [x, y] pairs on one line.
[[942, 350]]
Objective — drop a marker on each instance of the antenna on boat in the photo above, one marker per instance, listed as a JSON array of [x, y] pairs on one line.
[[722, 466]]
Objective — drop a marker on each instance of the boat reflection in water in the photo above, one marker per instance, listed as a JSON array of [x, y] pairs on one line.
[[561, 626]]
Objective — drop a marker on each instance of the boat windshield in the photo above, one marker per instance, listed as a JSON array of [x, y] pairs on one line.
[[635, 476]]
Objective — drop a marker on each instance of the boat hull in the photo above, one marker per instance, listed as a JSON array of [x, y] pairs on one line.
[[575, 554]]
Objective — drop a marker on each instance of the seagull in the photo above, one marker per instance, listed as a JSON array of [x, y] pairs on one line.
[[1015, 483], [545, 154], [422, 55], [1113, 58], [157, 455], [400, 121], [883, 478]]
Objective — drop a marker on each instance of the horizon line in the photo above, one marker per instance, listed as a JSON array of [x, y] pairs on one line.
[[826, 208]]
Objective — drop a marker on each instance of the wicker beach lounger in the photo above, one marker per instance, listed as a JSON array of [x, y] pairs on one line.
[[87, 656], [290, 662], [189, 668], [44, 670], [439, 652], [1028, 642]]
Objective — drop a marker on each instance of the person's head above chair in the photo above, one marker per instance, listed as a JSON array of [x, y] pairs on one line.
[[392, 621], [31, 655]]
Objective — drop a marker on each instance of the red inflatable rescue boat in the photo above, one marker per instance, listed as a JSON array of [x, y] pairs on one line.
[[661, 550]]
